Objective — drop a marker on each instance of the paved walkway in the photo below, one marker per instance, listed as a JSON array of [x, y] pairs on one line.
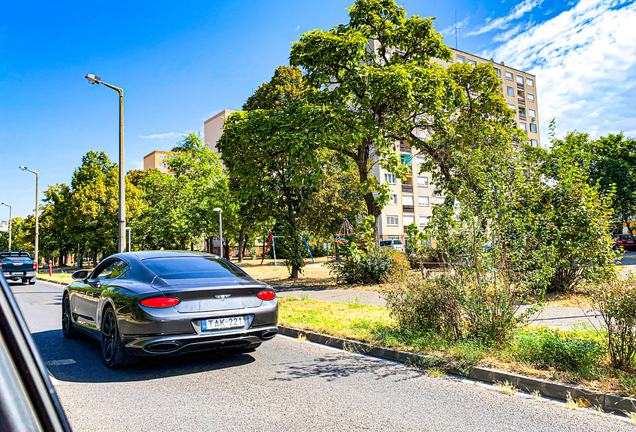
[[552, 316]]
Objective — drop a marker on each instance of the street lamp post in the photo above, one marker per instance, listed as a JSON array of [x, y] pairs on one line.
[[37, 221], [9, 224], [220, 227], [121, 243], [129, 238]]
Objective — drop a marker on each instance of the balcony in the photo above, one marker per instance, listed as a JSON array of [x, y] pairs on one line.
[[520, 86], [405, 148], [407, 188], [522, 101], [522, 117], [408, 209]]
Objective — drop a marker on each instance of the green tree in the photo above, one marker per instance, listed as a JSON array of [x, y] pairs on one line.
[[54, 232], [374, 74]]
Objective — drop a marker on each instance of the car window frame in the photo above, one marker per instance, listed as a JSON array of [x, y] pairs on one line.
[[95, 276]]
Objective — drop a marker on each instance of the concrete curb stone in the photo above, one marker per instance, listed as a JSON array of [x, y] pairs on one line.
[[607, 401]]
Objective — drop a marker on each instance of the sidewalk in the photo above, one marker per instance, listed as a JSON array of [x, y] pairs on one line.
[[564, 318]]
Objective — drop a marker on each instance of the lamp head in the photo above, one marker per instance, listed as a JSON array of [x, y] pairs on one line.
[[218, 209], [23, 168], [92, 79]]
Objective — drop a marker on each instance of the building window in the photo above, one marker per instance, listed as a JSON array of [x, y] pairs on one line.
[[420, 160], [509, 75], [162, 165], [393, 199], [408, 219], [422, 201], [530, 82], [523, 126], [519, 79], [439, 199], [533, 127], [389, 178], [407, 200], [392, 220], [512, 107], [162, 156], [522, 111], [472, 62], [461, 59], [511, 91], [532, 113], [530, 97], [406, 159], [497, 71], [422, 181], [534, 143], [424, 220]]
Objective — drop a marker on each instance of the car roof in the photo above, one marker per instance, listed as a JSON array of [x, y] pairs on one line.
[[141, 255]]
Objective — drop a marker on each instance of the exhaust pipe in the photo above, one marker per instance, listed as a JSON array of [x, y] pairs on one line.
[[162, 347], [268, 335]]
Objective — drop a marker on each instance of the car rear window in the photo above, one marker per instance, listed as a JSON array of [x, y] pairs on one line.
[[192, 268], [15, 258]]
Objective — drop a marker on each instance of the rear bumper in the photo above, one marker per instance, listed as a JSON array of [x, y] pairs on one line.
[[181, 344], [18, 275]]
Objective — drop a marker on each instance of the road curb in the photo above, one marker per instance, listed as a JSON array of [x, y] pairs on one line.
[[607, 401], [52, 281]]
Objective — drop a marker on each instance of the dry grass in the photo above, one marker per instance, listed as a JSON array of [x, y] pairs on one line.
[[506, 388], [571, 403], [537, 396], [58, 277], [631, 415]]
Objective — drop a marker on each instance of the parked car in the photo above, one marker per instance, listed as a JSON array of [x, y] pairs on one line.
[[165, 302], [18, 266], [393, 244], [626, 241]]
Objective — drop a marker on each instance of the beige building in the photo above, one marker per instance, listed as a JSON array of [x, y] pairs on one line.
[[157, 160], [213, 128], [413, 200]]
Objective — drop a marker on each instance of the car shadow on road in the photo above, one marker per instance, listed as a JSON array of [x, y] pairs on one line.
[[87, 366], [340, 365]]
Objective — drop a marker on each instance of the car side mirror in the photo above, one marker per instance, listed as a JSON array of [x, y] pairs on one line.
[[80, 275]]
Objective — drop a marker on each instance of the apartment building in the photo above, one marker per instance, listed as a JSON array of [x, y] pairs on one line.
[[213, 128], [413, 200], [157, 160]]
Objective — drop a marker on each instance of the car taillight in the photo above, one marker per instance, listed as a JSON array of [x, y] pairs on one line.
[[35, 265], [160, 302], [266, 295]]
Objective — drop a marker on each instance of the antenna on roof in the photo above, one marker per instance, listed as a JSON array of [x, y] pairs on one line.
[[455, 28]]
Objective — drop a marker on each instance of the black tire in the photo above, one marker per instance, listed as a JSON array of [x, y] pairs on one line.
[[113, 353], [32, 281], [248, 348], [68, 330]]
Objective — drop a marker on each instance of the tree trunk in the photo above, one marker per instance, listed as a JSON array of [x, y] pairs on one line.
[[245, 244], [240, 245]]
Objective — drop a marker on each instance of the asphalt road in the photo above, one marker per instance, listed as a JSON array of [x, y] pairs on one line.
[[284, 386]]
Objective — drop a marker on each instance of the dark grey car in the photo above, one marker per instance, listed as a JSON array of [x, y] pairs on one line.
[[163, 303]]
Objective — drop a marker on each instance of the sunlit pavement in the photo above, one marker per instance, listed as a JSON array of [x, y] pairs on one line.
[[283, 386]]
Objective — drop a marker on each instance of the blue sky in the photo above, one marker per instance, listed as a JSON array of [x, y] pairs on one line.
[[180, 62]]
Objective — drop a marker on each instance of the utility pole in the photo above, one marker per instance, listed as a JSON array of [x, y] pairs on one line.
[[9, 224], [37, 221]]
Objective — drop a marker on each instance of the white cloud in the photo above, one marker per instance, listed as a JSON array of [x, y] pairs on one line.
[[135, 165], [585, 63], [503, 22], [297, 28], [508, 34], [450, 30], [160, 136]]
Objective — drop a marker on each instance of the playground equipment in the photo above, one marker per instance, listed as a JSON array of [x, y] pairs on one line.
[[272, 241]]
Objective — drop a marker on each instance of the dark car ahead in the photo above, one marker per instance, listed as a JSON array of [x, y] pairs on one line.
[[626, 241], [162, 303], [18, 266]]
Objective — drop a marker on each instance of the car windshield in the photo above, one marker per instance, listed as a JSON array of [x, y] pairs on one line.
[[192, 268], [397, 242]]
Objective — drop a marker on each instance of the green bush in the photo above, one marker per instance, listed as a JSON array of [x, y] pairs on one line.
[[427, 305], [545, 347], [373, 266], [616, 302], [399, 264]]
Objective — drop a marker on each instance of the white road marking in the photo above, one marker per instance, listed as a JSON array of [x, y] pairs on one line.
[[63, 362]]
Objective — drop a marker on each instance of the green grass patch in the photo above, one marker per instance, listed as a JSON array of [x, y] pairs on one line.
[[576, 357]]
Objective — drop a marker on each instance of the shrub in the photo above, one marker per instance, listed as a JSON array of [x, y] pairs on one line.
[[545, 347], [373, 266], [399, 264], [423, 305], [616, 302]]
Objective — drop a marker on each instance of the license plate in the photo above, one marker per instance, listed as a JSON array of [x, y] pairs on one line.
[[222, 323], [630, 241]]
